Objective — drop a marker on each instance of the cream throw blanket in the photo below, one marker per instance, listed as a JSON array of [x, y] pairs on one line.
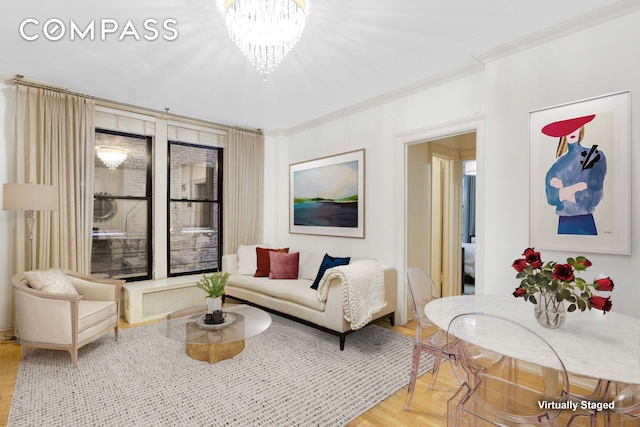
[[362, 290]]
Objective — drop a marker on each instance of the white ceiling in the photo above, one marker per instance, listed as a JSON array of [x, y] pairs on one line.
[[350, 51]]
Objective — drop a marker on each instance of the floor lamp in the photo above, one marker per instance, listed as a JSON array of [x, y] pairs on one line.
[[29, 198]]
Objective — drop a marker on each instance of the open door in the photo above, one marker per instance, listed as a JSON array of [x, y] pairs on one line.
[[445, 253]]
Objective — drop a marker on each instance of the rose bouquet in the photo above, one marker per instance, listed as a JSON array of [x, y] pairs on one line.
[[560, 282]]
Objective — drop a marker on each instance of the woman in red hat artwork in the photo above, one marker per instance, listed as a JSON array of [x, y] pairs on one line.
[[574, 184]]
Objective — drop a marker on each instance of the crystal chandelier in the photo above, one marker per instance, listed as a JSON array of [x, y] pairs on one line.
[[112, 157], [265, 30]]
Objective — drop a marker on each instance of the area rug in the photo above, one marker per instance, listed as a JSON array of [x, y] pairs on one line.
[[290, 375]]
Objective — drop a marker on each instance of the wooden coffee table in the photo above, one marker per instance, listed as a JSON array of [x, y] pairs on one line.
[[213, 343]]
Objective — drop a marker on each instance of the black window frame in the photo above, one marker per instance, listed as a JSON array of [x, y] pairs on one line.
[[219, 202], [148, 198]]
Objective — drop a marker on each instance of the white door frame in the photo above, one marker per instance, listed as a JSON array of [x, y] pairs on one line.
[[401, 143]]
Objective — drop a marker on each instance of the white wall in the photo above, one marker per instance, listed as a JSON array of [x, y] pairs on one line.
[[592, 62], [7, 218], [374, 130], [597, 61]]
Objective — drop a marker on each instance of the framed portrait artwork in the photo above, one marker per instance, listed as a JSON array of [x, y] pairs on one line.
[[580, 176], [326, 196]]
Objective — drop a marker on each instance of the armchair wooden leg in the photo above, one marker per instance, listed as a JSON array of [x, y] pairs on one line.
[[23, 350], [74, 357]]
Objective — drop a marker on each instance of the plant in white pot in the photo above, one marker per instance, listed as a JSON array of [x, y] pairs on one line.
[[213, 286]]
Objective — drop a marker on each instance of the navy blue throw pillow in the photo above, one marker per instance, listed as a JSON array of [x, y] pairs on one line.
[[327, 263]]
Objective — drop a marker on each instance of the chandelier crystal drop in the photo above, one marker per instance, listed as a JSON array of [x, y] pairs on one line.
[[265, 30], [112, 157]]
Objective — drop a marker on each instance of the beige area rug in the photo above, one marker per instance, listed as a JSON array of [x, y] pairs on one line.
[[290, 375]]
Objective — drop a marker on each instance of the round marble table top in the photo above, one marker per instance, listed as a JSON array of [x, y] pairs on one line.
[[604, 346]]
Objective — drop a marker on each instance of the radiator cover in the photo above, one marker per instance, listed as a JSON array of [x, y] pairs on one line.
[[154, 299]]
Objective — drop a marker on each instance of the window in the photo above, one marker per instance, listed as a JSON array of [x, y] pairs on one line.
[[121, 244], [195, 177]]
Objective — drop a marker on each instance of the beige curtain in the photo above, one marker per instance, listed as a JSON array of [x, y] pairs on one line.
[[55, 146], [243, 190]]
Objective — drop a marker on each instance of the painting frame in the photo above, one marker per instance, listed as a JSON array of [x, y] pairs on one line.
[[590, 211], [320, 196]]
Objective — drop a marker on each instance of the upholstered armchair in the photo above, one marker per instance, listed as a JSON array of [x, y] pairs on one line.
[[60, 317]]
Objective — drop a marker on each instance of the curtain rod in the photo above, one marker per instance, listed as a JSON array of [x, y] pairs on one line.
[[19, 80]]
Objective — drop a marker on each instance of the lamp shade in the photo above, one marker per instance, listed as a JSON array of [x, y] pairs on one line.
[[29, 197]]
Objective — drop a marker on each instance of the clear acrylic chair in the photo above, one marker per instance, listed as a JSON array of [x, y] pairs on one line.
[[505, 370], [626, 406], [423, 290]]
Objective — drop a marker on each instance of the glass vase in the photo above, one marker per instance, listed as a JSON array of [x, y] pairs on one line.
[[549, 312]]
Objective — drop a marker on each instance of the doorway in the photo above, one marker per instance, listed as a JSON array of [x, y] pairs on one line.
[[468, 224], [434, 208]]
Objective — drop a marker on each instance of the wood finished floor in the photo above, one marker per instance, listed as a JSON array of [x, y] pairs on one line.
[[428, 407]]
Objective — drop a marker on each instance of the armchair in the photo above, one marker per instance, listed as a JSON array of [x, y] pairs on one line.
[[66, 321]]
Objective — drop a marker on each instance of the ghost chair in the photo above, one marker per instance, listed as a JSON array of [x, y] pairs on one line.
[[505, 371], [621, 406], [423, 290]]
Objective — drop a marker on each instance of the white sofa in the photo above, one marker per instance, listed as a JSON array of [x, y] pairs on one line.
[[295, 299]]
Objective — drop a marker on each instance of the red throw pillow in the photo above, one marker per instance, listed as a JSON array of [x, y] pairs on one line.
[[263, 260], [284, 265]]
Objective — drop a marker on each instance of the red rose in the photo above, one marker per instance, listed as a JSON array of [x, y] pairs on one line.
[[519, 264], [586, 263], [563, 272], [601, 303], [604, 284], [519, 292], [533, 258]]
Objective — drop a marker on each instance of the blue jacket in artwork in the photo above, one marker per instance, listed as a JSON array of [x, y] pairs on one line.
[[579, 164]]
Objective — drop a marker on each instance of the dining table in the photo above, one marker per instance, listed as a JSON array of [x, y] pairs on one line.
[[592, 343]]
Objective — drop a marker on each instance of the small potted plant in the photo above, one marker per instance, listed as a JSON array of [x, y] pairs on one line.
[[213, 286]]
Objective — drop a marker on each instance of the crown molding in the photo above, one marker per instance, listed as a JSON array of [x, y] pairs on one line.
[[566, 28], [599, 16], [402, 92]]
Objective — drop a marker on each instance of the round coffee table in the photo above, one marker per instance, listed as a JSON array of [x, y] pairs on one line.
[[214, 343]]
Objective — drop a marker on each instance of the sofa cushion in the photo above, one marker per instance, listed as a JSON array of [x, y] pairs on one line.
[[51, 280], [284, 265], [309, 264], [247, 258], [297, 291], [263, 261], [327, 263]]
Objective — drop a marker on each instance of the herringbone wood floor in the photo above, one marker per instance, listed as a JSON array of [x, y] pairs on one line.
[[428, 407]]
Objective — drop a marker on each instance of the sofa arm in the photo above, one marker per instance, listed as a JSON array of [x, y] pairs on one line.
[[390, 289], [230, 264], [334, 311]]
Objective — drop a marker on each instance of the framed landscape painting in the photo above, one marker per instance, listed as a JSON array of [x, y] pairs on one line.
[[580, 175], [326, 196]]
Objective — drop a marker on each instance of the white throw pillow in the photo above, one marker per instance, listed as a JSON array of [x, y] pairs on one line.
[[248, 259], [309, 264], [51, 280]]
